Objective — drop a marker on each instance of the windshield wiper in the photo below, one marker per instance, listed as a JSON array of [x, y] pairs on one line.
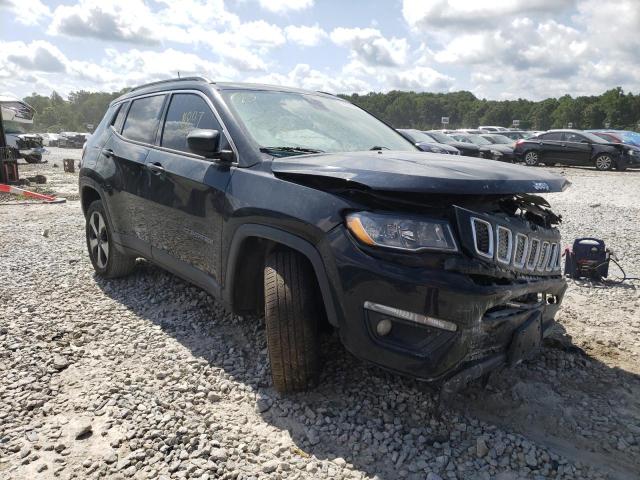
[[377, 147], [290, 149]]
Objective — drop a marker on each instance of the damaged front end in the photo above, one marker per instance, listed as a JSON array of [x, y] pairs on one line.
[[452, 317]]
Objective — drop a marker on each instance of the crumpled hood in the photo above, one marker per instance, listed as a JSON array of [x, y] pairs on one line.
[[419, 172]]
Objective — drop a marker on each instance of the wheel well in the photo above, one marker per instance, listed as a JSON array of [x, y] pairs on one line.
[[247, 291], [89, 195]]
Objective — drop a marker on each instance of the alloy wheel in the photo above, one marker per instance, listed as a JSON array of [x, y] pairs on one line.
[[604, 162], [531, 158], [99, 239]]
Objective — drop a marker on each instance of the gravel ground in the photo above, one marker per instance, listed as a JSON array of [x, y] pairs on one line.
[[147, 377]]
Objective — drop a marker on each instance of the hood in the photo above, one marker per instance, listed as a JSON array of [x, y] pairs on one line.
[[470, 147], [501, 147], [420, 173]]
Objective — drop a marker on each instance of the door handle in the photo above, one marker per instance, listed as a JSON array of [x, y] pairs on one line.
[[107, 152], [155, 168]]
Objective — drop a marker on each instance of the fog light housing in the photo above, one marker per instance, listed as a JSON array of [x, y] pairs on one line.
[[383, 327]]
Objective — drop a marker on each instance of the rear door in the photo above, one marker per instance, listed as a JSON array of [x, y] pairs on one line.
[[187, 191], [577, 148], [127, 151]]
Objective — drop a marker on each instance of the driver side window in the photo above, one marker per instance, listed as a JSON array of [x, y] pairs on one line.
[[187, 112], [573, 137]]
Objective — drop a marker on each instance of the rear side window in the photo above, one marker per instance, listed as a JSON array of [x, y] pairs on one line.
[[573, 137], [143, 118], [552, 136], [186, 112], [118, 120]]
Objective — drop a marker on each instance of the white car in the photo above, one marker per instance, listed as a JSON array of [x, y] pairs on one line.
[[492, 128], [15, 114]]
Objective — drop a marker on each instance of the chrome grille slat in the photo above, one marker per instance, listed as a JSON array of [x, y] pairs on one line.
[[504, 244], [482, 237], [544, 256], [534, 252], [520, 254]]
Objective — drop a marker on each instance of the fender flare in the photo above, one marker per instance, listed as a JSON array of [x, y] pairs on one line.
[[290, 240]]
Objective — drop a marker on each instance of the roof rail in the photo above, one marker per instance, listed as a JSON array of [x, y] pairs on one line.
[[169, 80]]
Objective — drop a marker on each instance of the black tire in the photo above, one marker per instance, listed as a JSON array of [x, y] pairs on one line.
[[531, 158], [108, 262], [604, 162], [35, 158], [291, 315]]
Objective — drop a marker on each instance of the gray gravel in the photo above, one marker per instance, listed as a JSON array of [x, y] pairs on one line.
[[147, 377]]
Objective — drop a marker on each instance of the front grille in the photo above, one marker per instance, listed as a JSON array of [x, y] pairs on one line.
[[513, 243]]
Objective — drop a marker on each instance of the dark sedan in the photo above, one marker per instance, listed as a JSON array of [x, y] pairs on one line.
[[575, 147], [466, 149], [426, 143], [487, 148]]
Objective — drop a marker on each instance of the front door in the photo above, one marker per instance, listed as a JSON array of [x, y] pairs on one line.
[[186, 191], [578, 149]]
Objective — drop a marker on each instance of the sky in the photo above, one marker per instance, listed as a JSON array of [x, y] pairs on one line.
[[497, 49]]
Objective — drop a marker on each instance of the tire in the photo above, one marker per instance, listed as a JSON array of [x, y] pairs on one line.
[[291, 315], [532, 158], [35, 158], [107, 261], [604, 162]]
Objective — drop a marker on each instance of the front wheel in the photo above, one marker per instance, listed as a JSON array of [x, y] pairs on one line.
[[604, 162], [531, 158], [291, 315], [107, 261]]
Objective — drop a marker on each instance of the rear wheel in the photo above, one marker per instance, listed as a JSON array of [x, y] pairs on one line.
[[531, 158], [291, 313], [107, 261], [604, 162]]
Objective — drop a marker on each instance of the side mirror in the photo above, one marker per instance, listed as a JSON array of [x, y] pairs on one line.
[[204, 142]]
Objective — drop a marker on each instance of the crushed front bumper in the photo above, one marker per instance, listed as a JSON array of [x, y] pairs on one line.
[[488, 317]]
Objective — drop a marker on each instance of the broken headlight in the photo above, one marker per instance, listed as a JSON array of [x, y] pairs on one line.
[[400, 232]]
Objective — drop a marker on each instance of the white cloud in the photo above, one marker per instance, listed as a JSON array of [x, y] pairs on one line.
[[371, 47], [118, 20], [420, 79], [303, 76], [282, 6], [474, 14], [305, 35], [27, 12], [37, 56]]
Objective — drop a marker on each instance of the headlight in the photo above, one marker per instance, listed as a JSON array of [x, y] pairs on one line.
[[631, 151], [400, 232], [496, 153], [436, 150]]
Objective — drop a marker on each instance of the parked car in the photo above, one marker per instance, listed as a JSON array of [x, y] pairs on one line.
[[474, 131], [303, 207], [466, 149], [487, 149], [575, 147], [627, 136], [50, 139], [492, 128], [503, 144], [71, 140], [425, 143]]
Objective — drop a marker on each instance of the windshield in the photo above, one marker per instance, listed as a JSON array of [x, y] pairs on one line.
[[501, 139], [594, 138], [440, 137], [13, 127], [418, 136], [303, 123], [476, 139]]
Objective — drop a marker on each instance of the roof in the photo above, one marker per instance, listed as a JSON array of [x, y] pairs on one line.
[[185, 82]]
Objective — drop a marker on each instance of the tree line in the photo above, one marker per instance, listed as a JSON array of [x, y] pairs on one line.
[[613, 109]]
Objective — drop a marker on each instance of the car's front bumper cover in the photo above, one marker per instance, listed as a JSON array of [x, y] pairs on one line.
[[486, 315]]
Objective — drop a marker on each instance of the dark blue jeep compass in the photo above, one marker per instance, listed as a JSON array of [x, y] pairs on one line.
[[302, 206]]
